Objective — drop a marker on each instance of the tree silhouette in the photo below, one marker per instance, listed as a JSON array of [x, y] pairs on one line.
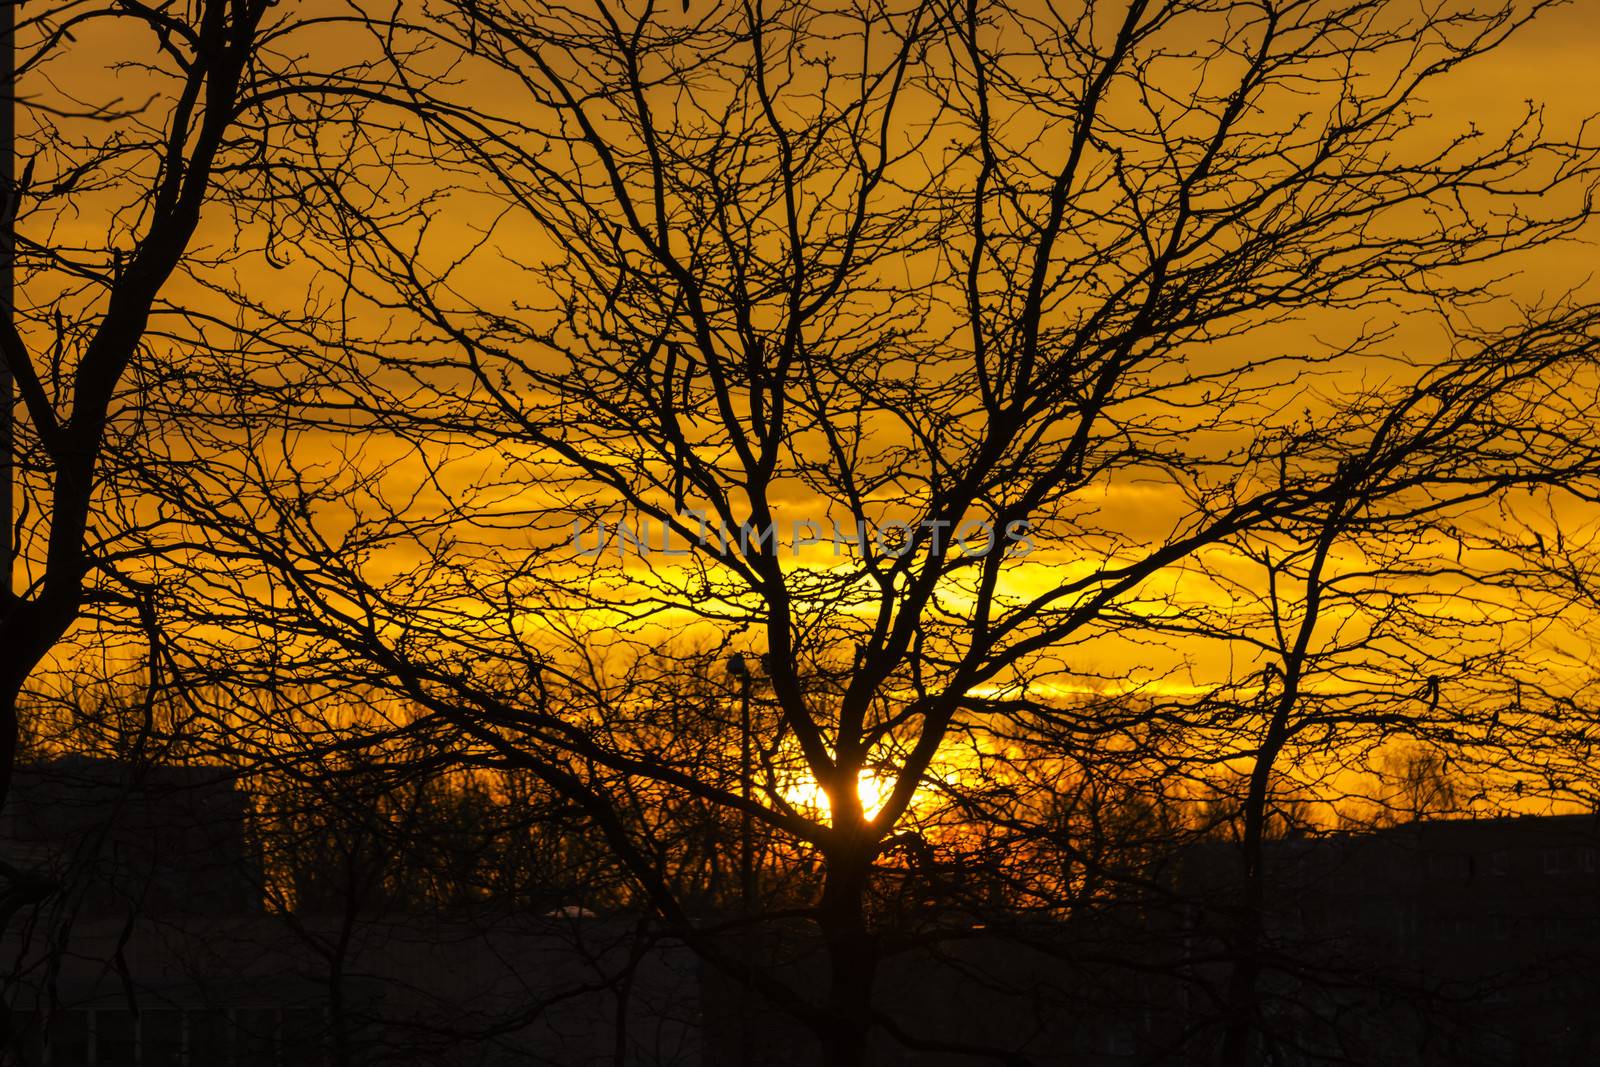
[[137, 125], [1044, 307]]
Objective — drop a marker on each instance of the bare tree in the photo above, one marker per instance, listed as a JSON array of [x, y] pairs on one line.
[[134, 120], [957, 280]]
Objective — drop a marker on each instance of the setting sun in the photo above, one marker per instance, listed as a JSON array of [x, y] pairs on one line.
[[808, 796]]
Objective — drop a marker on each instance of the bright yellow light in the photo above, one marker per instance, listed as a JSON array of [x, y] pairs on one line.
[[809, 796]]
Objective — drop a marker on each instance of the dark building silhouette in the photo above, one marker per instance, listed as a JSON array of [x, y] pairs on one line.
[[154, 840], [1454, 941]]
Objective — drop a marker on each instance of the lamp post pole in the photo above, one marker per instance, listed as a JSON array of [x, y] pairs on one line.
[[747, 868], [747, 871]]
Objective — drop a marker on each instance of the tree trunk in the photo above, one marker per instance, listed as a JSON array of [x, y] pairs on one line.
[[1246, 935], [28, 631], [852, 966]]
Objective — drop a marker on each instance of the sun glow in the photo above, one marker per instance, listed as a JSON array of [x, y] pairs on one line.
[[808, 796]]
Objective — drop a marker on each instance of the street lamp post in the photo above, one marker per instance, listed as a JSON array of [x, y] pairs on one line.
[[747, 870]]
